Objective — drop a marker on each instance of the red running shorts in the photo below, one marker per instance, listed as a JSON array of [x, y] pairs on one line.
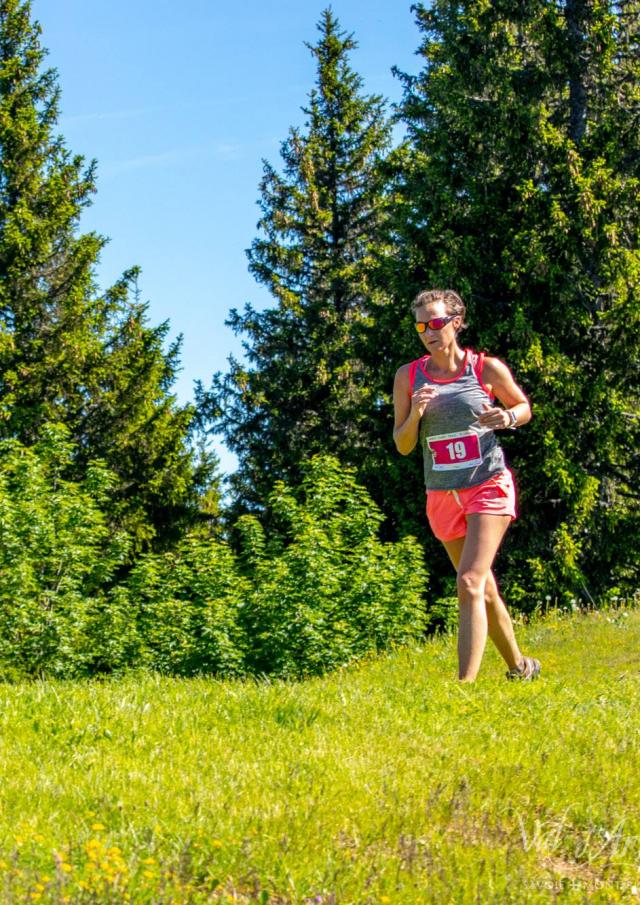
[[447, 510]]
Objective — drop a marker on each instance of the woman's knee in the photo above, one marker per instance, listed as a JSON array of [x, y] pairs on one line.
[[471, 582]]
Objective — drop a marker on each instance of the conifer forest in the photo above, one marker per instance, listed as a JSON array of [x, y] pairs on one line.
[[515, 181]]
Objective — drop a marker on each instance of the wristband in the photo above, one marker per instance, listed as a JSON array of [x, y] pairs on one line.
[[514, 419]]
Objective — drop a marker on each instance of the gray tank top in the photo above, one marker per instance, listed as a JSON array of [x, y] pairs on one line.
[[458, 453]]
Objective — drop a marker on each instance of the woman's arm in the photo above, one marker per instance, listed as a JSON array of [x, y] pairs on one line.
[[497, 377], [408, 409]]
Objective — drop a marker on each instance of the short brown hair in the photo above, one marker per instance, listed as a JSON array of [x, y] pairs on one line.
[[451, 299]]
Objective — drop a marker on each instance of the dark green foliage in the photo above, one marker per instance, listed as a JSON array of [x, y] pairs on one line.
[[68, 353], [322, 592], [184, 609], [56, 555], [325, 590], [308, 385], [519, 186], [132, 421]]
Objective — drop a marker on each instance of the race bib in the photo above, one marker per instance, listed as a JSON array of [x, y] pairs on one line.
[[452, 451]]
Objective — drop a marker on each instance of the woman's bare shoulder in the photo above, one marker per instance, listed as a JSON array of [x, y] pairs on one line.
[[403, 370], [494, 369]]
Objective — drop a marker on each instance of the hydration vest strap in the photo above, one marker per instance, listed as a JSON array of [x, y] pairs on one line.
[[477, 363], [413, 367]]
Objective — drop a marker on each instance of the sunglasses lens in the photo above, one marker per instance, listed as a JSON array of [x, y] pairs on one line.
[[436, 323]]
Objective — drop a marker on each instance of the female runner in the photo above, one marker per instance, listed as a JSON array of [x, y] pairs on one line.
[[445, 400]]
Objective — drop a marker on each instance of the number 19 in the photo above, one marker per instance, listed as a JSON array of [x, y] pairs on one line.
[[457, 450]]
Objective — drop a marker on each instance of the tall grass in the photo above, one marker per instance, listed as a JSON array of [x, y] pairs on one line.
[[385, 783]]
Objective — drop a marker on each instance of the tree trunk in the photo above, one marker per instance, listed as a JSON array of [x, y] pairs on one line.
[[575, 13]]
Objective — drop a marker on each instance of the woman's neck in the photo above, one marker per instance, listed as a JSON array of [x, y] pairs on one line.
[[446, 361]]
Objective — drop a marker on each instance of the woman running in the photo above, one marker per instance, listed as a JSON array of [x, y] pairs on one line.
[[446, 400]]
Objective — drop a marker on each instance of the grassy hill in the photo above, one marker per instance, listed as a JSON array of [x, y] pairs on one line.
[[385, 783]]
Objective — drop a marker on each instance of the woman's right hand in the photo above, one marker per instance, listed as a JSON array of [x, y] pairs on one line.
[[421, 399]]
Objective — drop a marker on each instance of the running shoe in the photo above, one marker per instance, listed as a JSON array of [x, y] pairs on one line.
[[529, 669]]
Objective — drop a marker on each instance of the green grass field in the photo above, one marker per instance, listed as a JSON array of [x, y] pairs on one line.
[[386, 783]]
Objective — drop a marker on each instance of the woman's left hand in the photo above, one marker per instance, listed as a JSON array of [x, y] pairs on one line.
[[494, 418]]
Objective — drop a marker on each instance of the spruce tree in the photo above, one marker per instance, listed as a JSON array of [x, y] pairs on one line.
[[306, 386], [518, 185], [69, 353]]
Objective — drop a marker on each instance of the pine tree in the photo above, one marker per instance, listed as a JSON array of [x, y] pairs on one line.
[[519, 186], [69, 353], [306, 386]]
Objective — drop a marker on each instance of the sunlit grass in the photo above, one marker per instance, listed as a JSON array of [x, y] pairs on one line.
[[385, 783]]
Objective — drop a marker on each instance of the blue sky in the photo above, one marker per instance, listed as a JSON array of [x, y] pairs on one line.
[[179, 105]]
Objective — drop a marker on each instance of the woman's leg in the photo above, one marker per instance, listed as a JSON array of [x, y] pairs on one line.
[[500, 625], [483, 538], [499, 621]]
